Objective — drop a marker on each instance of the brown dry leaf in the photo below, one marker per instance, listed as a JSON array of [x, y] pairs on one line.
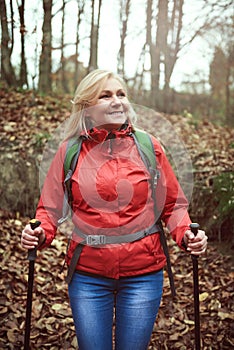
[[189, 322], [3, 310], [11, 335], [174, 337], [203, 296], [226, 315], [57, 307]]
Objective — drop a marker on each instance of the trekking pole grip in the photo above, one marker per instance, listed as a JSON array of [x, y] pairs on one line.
[[194, 228], [32, 253]]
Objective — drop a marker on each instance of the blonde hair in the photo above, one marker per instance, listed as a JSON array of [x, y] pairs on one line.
[[87, 94]]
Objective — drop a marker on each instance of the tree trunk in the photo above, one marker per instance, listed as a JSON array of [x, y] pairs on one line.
[[124, 14], [12, 27], [79, 14], [7, 71], [44, 85], [94, 36], [229, 113], [23, 66], [62, 59], [156, 55], [171, 52]]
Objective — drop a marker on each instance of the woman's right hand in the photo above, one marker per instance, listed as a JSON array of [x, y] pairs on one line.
[[32, 238]]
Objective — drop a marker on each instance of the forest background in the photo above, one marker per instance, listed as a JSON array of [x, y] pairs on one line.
[[177, 58]]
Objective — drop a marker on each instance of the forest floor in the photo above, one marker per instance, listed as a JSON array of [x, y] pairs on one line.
[[52, 324], [25, 122]]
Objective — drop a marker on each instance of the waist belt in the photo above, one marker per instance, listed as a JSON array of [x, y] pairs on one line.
[[100, 240]]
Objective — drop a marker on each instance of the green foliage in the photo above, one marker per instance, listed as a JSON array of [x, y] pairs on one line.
[[187, 114], [213, 208], [191, 118], [223, 189], [40, 139]]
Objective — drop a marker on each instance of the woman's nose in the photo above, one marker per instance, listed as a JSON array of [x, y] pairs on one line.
[[115, 100]]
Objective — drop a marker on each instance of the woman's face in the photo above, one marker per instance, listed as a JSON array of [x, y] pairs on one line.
[[111, 107]]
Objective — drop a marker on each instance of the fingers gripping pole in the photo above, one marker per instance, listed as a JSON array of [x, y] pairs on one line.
[[32, 253], [194, 228]]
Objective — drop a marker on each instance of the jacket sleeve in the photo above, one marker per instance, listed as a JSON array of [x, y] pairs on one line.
[[49, 209], [172, 205]]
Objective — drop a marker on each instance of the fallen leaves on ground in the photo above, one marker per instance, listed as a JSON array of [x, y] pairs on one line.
[[27, 120], [52, 324]]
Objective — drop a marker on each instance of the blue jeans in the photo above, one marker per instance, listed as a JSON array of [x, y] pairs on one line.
[[135, 301]]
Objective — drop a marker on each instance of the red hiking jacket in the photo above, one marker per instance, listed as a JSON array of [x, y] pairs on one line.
[[112, 196]]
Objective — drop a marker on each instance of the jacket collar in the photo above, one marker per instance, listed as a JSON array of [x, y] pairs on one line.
[[101, 135]]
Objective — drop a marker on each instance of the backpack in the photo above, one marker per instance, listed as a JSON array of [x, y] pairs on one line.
[[146, 150]]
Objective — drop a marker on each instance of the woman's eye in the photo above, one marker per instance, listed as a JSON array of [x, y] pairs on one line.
[[119, 94]]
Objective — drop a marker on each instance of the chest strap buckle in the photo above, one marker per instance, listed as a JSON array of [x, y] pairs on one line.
[[94, 240]]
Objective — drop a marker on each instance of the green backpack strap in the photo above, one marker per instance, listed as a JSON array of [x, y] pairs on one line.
[[73, 146], [146, 145], [70, 161], [146, 150]]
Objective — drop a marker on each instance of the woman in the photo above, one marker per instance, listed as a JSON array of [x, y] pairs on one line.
[[111, 195]]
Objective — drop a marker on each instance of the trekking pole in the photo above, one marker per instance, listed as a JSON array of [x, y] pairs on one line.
[[32, 254], [194, 228]]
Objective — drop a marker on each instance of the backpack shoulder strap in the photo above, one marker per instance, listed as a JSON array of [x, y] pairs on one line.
[[146, 145], [73, 148], [146, 150], [70, 161]]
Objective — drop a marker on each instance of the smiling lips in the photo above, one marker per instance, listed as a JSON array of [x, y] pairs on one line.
[[116, 113]]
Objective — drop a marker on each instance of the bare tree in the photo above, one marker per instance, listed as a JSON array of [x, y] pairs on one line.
[[150, 45], [138, 80], [93, 58], [44, 84], [23, 66], [173, 36], [7, 70], [156, 47], [160, 49], [164, 48], [229, 91], [80, 11], [218, 74], [12, 22], [221, 81], [62, 57], [124, 15]]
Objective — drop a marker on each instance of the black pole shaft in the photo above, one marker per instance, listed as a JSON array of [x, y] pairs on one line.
[[32, 253], [194, 228], [29, 306], [196, 302]]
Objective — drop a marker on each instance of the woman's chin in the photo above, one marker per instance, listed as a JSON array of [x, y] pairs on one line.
[[110, 125]]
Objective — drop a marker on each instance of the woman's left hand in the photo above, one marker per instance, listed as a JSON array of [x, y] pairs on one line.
[[196, 245]]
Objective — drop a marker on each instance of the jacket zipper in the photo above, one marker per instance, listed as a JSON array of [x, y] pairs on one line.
[[110, 146]]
